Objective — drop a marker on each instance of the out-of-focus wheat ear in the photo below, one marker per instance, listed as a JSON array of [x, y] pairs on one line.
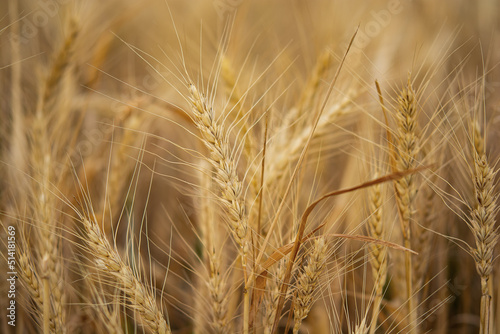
[[422, 237], [17, 144], [311, 89], [407, 148], [120, 169], [309, 93], [378, 252], [477, 138], [216, 286], [204, 228], [43, 159], [44, 206], [483, 224], [108, 261], [307, 282], [286, 148], [34, 285], [271, 295], [47, 313], [229, 78], [237, 113], [59, 66]]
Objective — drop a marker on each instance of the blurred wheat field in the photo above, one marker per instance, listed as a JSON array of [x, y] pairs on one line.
[[237, 166]]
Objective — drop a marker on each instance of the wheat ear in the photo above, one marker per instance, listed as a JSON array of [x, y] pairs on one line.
[[235, 103], [43, 156], [35, 286], [220, 157], [307, 282], [483, 224], [226, 176], [407, 146], [108, 261], [378, 252], [272, 294], [288, 146], [218, 294]]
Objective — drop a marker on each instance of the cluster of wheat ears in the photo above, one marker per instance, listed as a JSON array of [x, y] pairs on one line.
[[250, 166]]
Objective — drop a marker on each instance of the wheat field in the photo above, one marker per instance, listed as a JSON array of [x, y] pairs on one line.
[[249, 166]]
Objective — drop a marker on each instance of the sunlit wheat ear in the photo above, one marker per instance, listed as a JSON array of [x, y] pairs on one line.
[[216, 141], [308, 281], [107, 261], [407, 148], [483, 224], [378, 253]]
